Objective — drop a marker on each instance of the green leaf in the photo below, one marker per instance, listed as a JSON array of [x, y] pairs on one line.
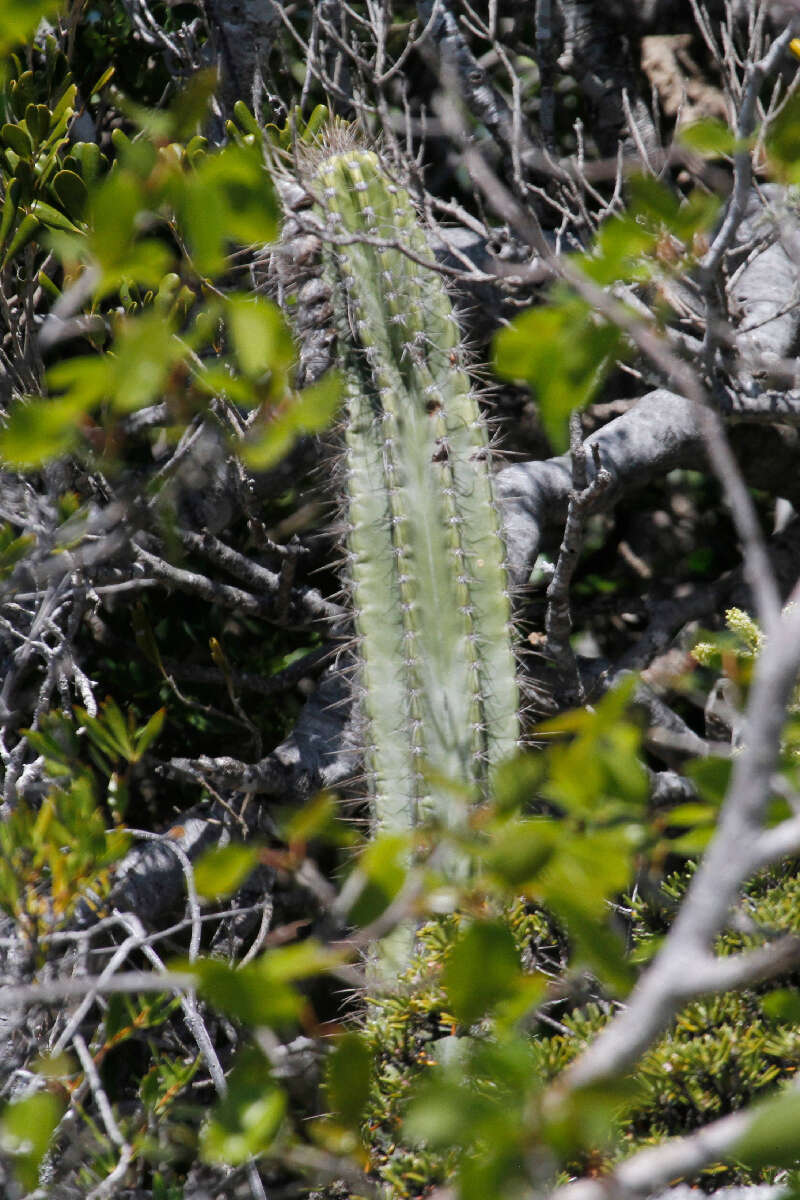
[[588, 1117], [104, 79], [309, 411], [152, 730], [51, 217], [348, 1077], [143, 355], [783, 142], [444, 1111], [598, 773], [27, 229], [37, 119], [595, 944], [563, 351], [227, 198], [285, 964], [245, 994], [261, 338], [9, 210], [91, 160], [783, 1006], [711, 776], [482, 969], [162, 1083], [39, 430], [19, 19], [619, 252], [101, 736], [245, 1123], [710, 137], [772, 1138], [689, 815], [221, 870], [26, 1127], [319, 819], [589, 869], [520, 850], [71, 191], [119, 727], [382, 869], [84, 380], [18, 139], [516, 781], [13, 550], [190, 109], [245, 118], [261, 993]]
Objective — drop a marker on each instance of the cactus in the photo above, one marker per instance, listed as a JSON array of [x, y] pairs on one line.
[[425, 559]]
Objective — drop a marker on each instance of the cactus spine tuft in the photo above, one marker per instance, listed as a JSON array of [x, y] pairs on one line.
[[426, 562]]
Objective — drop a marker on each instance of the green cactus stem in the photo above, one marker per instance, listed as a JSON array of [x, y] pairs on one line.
[[426, 561]]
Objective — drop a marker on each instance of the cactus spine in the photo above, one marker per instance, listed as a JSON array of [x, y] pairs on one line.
[[426, 569]]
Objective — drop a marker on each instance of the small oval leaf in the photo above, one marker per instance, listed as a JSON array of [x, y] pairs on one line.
[[71, 191], [18, 139]]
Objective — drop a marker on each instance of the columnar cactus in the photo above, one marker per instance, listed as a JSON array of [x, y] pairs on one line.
[[425, 559]]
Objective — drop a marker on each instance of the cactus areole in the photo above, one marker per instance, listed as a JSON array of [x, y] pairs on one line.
[[425, 561]]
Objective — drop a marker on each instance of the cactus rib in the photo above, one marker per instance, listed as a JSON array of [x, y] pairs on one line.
[[426, 562]]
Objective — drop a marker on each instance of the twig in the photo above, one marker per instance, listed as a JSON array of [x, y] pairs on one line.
[[558, 620]]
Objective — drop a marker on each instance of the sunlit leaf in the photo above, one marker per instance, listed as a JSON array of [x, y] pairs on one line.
[[261, 338], [223, 869], [244, 994], [381, 870], [227, 198], [26, 1127], [518, 851], [563, 351], [38, 430], [245, 1123], [783, 1005], [147, 735], [348, 1075], [772, 1138], [482, 968], [309, 411], [19, 19], [711, 776]]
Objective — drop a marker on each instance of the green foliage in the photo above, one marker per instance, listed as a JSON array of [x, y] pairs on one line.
[[52, 855], [223, 869], [565, 349], [263, 992], [20, 18], [26, 1127], [482, 969], [564, 352], [151, 228], [710, 137], [773, 1137], [348, 1079], [246, 1121], [448, 1102], [783, 142]]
